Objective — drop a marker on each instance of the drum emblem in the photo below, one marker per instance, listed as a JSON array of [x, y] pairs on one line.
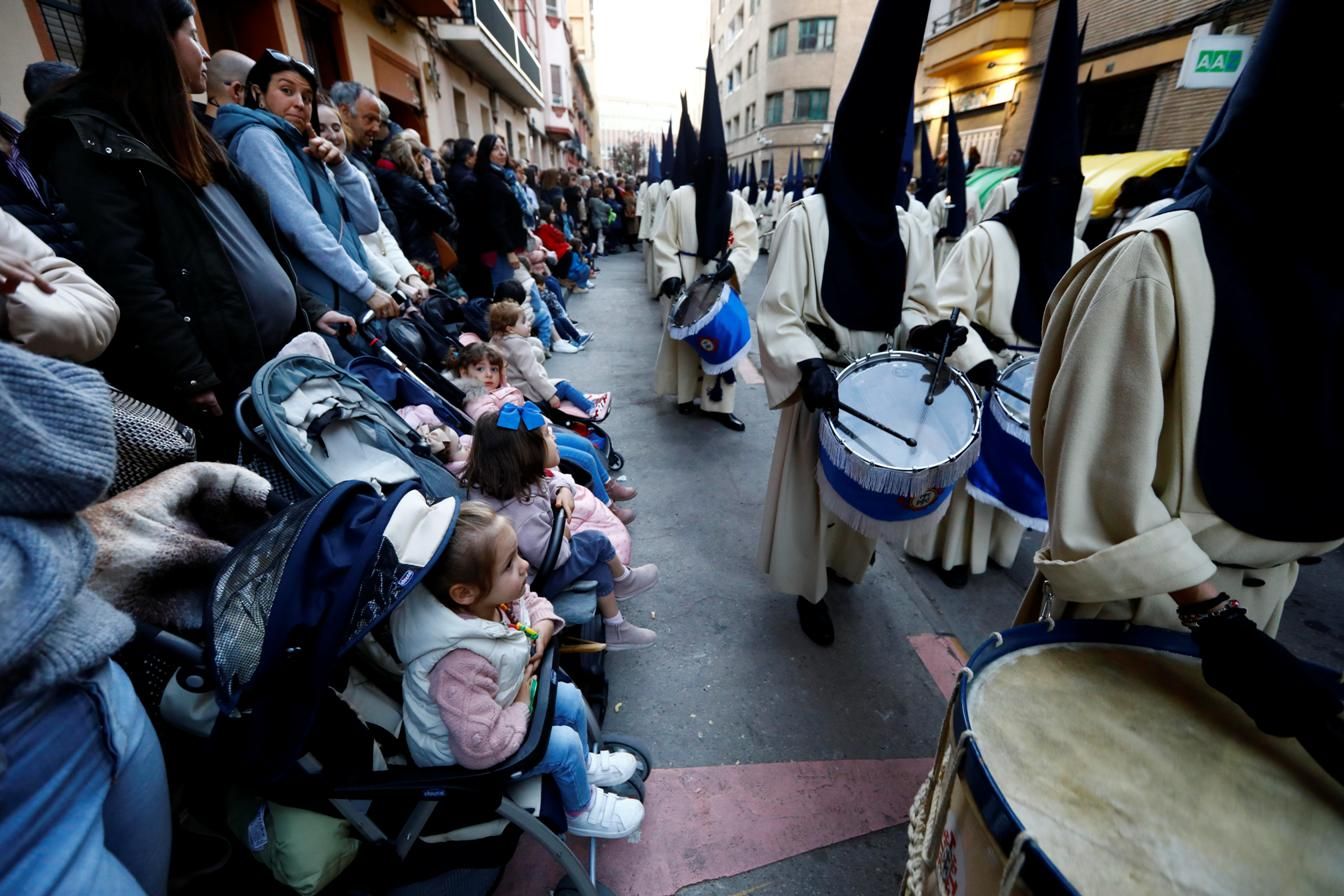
[[920, 501], [709, 344], [947, 863]]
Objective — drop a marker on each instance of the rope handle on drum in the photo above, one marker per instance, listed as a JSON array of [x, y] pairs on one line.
[[942, 356]]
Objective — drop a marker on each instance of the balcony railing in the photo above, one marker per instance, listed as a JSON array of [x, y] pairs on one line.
[[960, 13], [496, 25]]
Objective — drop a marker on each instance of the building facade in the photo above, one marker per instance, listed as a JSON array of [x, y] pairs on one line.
[[782, 67], [987, 55], [448, 68]]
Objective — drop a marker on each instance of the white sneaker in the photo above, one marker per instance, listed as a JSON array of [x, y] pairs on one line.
[[607, 769], [563, 347], [608, 817], [628, 636]]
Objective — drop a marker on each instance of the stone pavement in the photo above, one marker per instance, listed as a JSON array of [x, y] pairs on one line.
[[783, 768]]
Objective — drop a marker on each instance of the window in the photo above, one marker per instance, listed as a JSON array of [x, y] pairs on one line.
[[755, 5], [779, 40], [751, 117], [553, 8], [737, 75], [735, 26], [323, 43], [65, 26], [557, 87], [774, 108], [816, 35], [811, 105], [751, 60], [732, 85], [460, 113], [737, 126]]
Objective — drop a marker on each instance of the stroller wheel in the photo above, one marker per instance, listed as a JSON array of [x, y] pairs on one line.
[[633, 789], [566, 887], [626, 743], [615, 461]]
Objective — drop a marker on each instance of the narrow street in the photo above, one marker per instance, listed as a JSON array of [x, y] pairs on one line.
[[783, 768]]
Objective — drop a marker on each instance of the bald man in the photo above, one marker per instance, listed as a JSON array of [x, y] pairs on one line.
[[225, 75]]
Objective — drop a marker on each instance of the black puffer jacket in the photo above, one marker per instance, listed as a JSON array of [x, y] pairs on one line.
[[420, 214], [186, 326], [45, 215], [499, 216]]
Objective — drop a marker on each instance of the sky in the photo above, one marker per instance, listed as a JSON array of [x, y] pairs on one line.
[[648, 52]]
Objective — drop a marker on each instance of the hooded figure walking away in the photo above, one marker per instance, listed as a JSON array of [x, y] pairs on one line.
[[655, 200], [954, 208], [705, 228], [999, 276], [849, 266]]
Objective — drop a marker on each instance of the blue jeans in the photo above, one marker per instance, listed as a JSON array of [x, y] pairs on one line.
[[554, 286], [563, 325], [589, 554], [565, 391], [566, 759], [84, 796], [544, 323], [579, 272]]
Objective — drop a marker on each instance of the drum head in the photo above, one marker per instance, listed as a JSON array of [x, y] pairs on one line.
[[1019, 376], [1134, 776], [700, 299], [890, 387]]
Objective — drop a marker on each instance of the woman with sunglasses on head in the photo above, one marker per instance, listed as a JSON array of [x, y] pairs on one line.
[[180, 237], [320, 199]]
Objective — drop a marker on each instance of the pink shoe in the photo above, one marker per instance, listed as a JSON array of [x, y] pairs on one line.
[[601, 406]]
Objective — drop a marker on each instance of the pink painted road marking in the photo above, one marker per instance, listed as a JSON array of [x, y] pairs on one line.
[[943, 657], [719, 821], [747, 370]]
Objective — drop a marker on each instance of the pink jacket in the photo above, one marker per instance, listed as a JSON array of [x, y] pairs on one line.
[[464, 684], [478, 400]]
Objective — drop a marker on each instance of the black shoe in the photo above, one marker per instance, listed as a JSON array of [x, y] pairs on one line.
[[815, 618], [686, 408], [836, 578], [728, 420], [956, 577]]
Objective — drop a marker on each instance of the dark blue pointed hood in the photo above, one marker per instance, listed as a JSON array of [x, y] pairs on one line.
[[669, 152], [1274, 387], [687, 149], [907, 157], [770, 179], [655, 170], [865, 255], [956, 179], [928, 167], [1051, 180], [753, 185], [713, 205]]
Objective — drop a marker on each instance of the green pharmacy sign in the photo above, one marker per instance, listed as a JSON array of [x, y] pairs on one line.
[[1218, 61], [1214, 60]]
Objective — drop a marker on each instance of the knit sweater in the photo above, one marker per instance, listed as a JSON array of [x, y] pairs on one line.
[[59, 457]]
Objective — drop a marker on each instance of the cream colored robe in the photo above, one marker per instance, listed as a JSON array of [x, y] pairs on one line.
[[1114, 417], [943, 246], [1005, 191], [678, 370], [642, 209], [920, 211], [979, 279], [799, 537], [654, 205]]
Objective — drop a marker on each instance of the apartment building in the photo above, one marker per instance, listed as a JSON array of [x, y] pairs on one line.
[[782, 67], [987, 54], [448, 68]]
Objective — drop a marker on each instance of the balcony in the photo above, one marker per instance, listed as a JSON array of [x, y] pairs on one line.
[[977, 32], [485, 36]]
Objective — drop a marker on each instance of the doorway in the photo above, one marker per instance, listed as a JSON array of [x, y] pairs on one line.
[[249, 26]]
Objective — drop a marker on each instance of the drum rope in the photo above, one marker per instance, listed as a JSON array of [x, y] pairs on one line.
[[1016, 859], [947, 775]]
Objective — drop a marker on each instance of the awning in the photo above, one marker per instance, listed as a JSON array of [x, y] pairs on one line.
[[986, 179], [1106, 174]]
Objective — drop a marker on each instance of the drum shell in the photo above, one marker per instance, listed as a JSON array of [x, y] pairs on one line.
[[720, 336], [1005, 475]]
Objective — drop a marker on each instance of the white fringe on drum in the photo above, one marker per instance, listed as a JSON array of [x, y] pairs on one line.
[[1007, 423], [716, 369], [866, 525], [886, 481], [1030, 522], [683, 333]]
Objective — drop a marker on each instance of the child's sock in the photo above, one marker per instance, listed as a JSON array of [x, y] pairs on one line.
[[614, 620], [623, 576]]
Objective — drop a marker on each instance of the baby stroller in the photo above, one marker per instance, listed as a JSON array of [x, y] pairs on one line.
[[307, 425], [306, 715]]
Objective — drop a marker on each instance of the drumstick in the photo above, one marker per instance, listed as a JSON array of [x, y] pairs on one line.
[[942, 355], [859, 439], [1013, 392], [882, 426]]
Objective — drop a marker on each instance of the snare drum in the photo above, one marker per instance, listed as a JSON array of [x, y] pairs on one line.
[[711, 318], [870, 480], [1005, 476], [1091, 757]]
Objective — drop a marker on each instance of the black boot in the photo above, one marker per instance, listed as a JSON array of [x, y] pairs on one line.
[[686, 408], [956, 577], [815, 618]]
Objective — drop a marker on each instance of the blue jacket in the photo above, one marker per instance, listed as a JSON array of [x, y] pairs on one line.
[[320, 216]]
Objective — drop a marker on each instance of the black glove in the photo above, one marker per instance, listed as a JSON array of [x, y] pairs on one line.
[[724, 273], [984, 374], [992, 342], [930, 338], [1281, 695], [820, 390], [671, 286]]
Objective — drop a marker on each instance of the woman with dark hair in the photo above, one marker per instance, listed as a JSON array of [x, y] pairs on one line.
[[421, 206], [180, 237], [319, 198], [501, 234]]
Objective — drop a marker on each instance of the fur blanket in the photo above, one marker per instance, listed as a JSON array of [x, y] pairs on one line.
[[160, 543]]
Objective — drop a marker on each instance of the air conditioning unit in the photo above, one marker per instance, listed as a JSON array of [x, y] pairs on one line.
[[826, 128], [1234, 28]]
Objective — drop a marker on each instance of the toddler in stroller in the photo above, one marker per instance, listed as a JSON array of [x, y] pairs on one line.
[[508, 333], [471, 642]]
